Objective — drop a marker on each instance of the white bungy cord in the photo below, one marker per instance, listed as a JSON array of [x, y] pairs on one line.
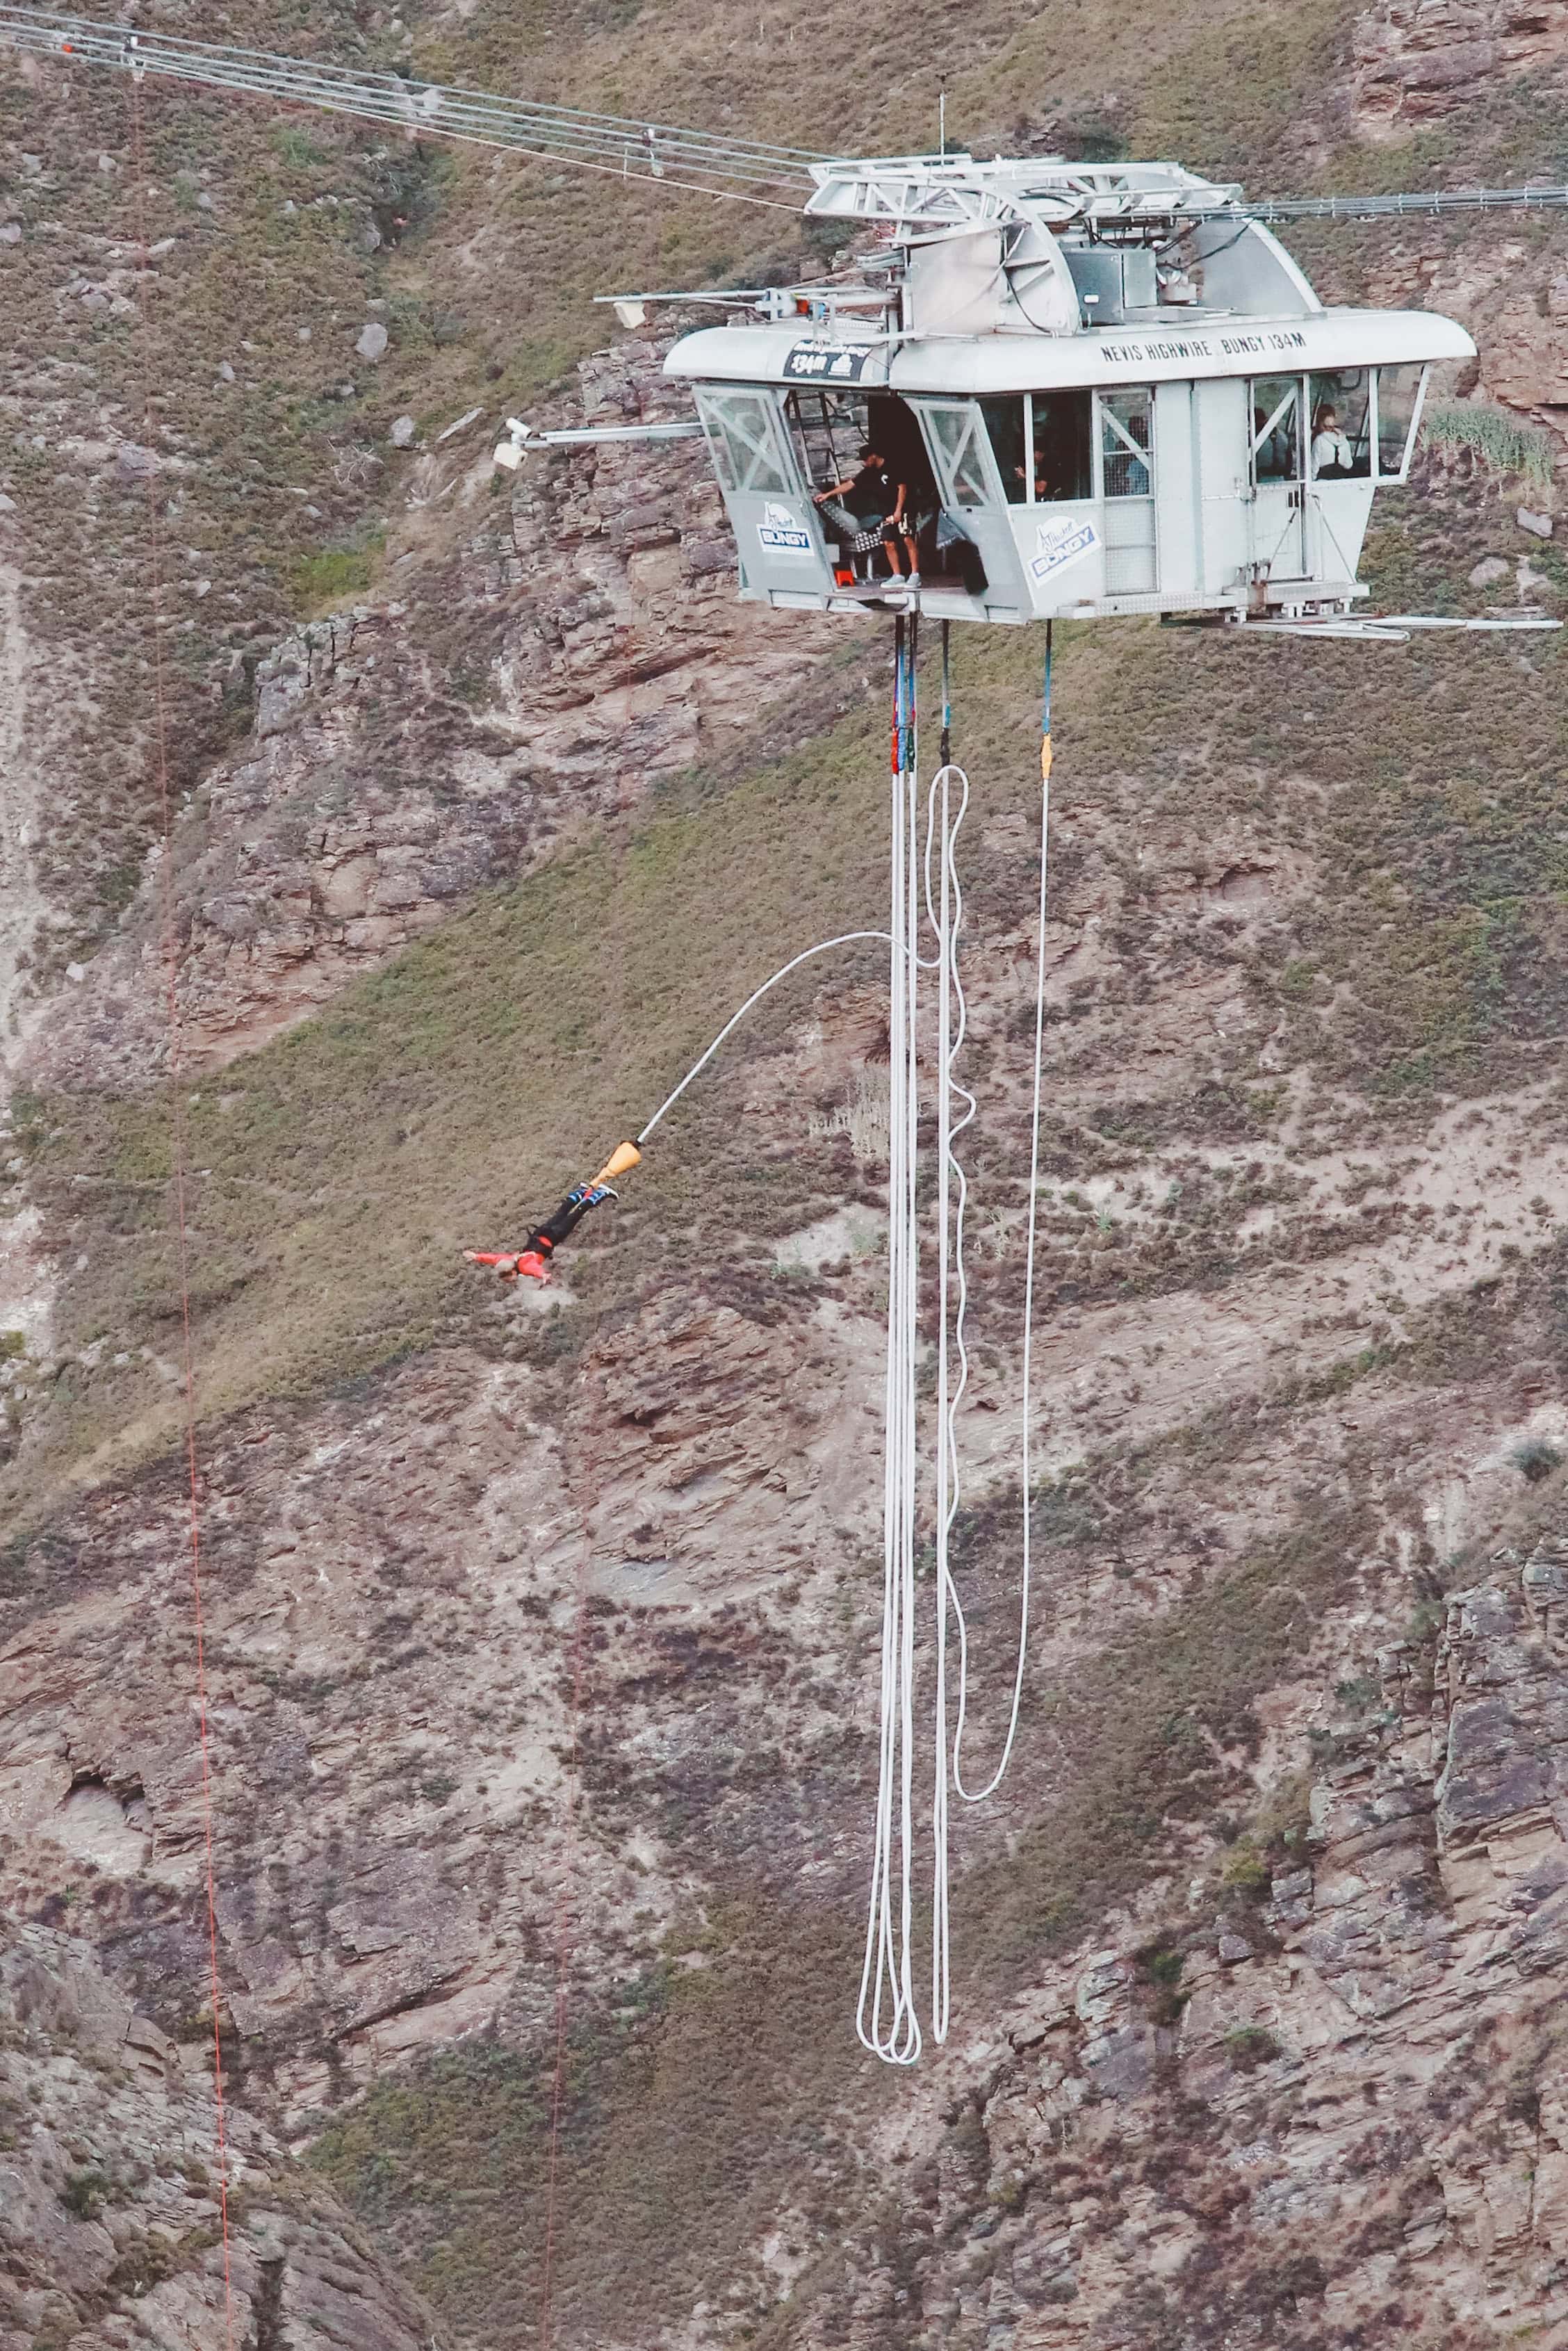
[[886, 2017], [946, 918]]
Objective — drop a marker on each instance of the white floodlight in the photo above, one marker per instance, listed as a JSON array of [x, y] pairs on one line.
[[510, 451]]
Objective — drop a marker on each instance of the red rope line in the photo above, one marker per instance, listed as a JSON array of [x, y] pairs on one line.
[[563, 1925], [178, 1124]]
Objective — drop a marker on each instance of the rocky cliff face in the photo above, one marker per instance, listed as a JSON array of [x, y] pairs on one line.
[[402, 1828], [1326, 2102], [1420, 61], [392, 773], [109, 2188], [540, 1653]]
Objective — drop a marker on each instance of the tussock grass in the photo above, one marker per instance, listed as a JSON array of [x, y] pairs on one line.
[[240, 341], [701, 2104], [1495, 435], [1218, 96], [342, 1169], [324, 583]]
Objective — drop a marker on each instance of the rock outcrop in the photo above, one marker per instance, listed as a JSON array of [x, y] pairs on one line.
[[353, 1560], [113, 2177], [397, 767], [1327, 2101], [1416, 61]]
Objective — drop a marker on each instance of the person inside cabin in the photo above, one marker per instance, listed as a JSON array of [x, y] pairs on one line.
[[1275, 449], [876, 498], [1332, 458]]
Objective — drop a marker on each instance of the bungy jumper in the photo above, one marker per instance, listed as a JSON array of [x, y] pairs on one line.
[[533, 1259]]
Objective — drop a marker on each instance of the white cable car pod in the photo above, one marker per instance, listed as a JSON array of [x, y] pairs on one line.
[[1109, 391]]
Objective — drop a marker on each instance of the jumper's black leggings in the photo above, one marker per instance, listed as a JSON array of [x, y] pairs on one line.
[[563, 1224]]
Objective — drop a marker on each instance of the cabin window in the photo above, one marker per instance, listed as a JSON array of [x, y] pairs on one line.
[[1007, 421], [957, 436], [1340, 406], [1042, 445], [1276, 429], [1126, 441], [1399, 390], [741, 434], [829, 429], [1063, 446]]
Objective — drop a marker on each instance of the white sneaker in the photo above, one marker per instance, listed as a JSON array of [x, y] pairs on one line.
[[912, 580]]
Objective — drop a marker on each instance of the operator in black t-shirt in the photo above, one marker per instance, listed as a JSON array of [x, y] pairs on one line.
[[875, 497]]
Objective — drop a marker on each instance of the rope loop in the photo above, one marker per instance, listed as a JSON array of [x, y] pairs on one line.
[[955, 1109], [887, 2016]]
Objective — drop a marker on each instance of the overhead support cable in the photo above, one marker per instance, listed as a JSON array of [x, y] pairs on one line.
[[744, 170], [1416, 205]]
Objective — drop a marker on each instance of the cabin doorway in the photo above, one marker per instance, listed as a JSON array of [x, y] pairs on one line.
[[830, 428], [974, 506], [1279, 504], [1127, 486]]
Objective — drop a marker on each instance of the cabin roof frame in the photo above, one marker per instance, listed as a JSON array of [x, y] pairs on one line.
[[1190, 347]]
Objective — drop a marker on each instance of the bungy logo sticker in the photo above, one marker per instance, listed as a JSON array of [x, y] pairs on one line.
[[831, 363], [782, 532], [1061, 543]]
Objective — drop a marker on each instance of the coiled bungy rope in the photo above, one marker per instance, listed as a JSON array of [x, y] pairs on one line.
[[946, 917], [887, 2018]]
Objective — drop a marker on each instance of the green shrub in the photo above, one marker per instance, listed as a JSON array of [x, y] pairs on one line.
[[84, 2193], [294, 145], [1250, 2045], [1535, 1457], [1161, 1964], [1245, 1872], [323, 584]]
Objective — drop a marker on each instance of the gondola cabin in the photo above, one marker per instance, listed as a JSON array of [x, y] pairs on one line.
[[1105, 390]]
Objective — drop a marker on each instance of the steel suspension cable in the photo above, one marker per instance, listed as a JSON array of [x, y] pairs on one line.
[[617, 145], [614, 144], [1412, 205], [178, 1171], [978, 1795]]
